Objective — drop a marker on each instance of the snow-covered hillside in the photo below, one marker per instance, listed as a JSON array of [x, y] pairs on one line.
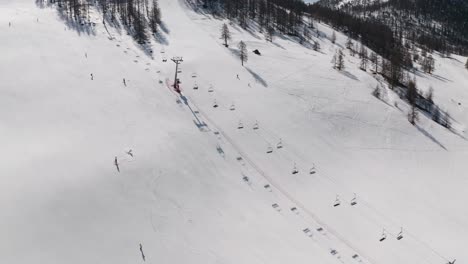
[[196, 188]]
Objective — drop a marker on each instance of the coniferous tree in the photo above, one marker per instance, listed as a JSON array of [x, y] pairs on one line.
[[428, 64], [338, 60], [412, 92], [225, 34], [413, 116], [243, 52], [375, 60], [270, 33], [139, 25], [154, 16], [316, 46], [349, 43]]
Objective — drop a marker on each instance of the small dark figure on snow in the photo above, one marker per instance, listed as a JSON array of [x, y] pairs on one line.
[[92, 77], [130, 153], [142, 254], [238, 77], [124, 82], [86, 54], [116, 163]]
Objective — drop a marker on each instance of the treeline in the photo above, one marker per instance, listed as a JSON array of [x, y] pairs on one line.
[[436, 25], [285, 16], [371, 33], [139, 17]]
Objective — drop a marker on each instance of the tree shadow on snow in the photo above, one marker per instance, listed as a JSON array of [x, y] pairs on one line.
[[80, 25], [349, 75], [429, 136], [160, 35], [257, 78]]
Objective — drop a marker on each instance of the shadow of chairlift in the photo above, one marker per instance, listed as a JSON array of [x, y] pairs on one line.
[[312, 170], [337, 201], [255, 126], [383, 236], [195, 86], [400, 235], [354, 200], [280, 144], [211, 89], [245, 178], [269, 150], [295, 170], [215, 104], [240, 125], [233, 107], [276, 207]]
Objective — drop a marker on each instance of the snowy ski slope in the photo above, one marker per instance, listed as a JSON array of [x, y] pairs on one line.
[[198, 189]]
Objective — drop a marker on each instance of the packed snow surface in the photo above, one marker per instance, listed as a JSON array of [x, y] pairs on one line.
[[195, 188]]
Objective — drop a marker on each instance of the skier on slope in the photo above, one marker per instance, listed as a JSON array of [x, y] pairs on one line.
[[124, 82], [116, 163], [142, 254]]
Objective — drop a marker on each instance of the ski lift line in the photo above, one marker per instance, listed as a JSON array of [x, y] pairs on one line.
[[335, 182], [282, 191], [266, 141], [330, 179]]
